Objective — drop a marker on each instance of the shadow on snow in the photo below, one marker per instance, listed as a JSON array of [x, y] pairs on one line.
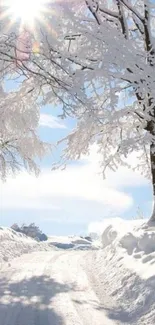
[[29, 302]]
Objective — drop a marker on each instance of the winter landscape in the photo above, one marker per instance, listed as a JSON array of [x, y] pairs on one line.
[[77, 162], [72, 280]]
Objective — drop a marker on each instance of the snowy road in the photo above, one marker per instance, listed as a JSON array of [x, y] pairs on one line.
[[49, 288]]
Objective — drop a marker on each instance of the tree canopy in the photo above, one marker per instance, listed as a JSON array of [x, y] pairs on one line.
[[97, 61]]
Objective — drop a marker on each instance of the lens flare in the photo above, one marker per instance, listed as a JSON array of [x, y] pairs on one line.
[[26, 10]]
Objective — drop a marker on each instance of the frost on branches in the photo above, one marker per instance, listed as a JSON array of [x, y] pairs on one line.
[[35, 64], [112, 49], [19, 143], [99, 65]]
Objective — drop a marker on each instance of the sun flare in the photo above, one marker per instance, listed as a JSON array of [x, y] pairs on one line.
[[29, 18], [26, 10]]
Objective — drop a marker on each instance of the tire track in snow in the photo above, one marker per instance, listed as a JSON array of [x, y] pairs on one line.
[[83, 304], [49, 288]]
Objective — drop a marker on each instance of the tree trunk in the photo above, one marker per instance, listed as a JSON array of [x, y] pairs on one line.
[[152, 160]]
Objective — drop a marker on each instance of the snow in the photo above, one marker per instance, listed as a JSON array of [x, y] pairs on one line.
[[111, 285], [13, 244], [125, 271], [52, 289], [134, 236], [71, 242], [68, 239]]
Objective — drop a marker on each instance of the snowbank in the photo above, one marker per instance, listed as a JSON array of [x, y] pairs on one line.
[[132, 235], [13, 244], [125, 271], [71, 242]]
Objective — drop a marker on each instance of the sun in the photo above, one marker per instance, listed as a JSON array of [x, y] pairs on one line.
[[26, 10]]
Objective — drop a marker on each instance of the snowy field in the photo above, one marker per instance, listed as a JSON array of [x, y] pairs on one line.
[[67, 281]]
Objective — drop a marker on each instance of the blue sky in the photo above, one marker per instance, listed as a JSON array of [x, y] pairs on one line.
[[66, 202]]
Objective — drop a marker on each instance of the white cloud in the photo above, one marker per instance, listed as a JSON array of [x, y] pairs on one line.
[[75, 182], [77, 194], [123, 177], [51, 122]]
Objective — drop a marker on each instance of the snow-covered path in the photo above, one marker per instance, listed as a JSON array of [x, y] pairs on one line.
[[49, 288]]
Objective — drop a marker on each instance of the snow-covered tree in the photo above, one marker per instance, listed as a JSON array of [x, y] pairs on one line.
[[31, 62], [28, 58], [20, 145], [99, 64], [109, 56]]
